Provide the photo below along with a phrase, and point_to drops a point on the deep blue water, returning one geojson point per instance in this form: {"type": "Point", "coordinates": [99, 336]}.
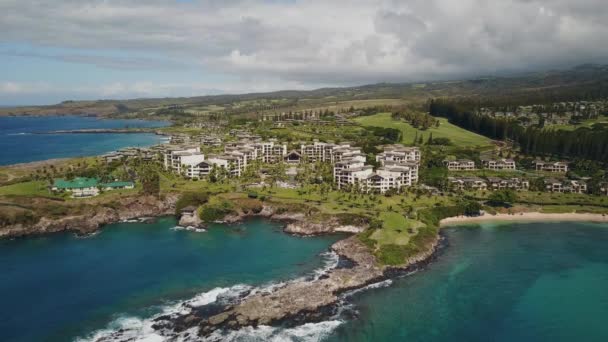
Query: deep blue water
{"type": "Point", "coordinates": [19, 145]}
{"type": "Point", "coordinates": [58, 287]}
{"type": "Point", "coordinates": [517, 282]}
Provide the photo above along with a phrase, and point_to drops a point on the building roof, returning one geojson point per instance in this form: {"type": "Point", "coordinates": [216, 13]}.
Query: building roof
{"type": "Point", "coordinates": [76, 183]}
{"type": "Point", "coordinates": [117, 184]}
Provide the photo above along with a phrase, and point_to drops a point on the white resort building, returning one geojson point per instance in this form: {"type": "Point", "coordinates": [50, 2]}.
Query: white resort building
{"type": "Point", "coordinates": [459, 165]}
{"type": "Point", "coordinates": [557, 167]}
{"type": "Point", "coordinates": [498, 164]}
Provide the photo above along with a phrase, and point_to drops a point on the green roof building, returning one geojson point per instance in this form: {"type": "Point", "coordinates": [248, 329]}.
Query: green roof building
{"type": "Point", "coordinates": [76, 183]}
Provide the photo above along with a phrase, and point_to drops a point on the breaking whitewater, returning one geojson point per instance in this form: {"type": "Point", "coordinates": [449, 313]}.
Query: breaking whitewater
{"type": "Point", "coordinates": [150, 329]}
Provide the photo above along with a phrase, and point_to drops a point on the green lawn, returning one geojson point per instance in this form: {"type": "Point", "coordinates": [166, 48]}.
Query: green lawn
{"type": "Point", "coordinates": [33, 188]}
{"type": "Point", "coordinates": [458, 136]}
{"type": "Point", "coordinates": [395, 229]}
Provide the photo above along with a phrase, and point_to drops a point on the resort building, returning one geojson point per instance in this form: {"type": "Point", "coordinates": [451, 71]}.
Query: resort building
{"type": "Point", "coordinates": [399, 154]}
{"type": "Point", "coordinates": [386, 178]}
{"type": "Point", "coordinates": [351, 172]}
{"type": "Point", "coordinates": [499, 164]}
{"type": "Point", "coordinates": [557, 167]}
{"type": "Point", "coordinates": [80, 187]}
{"type": "Point", "coordinates": [318, 152]}
{"type": "Point", "coordinates": [517, 184]}
{"type": "Point", "coordinates": [566, 186]}
{"type": "Point", "coordinates": [328, 152]}
{"type": "Point", "coordinates": [459, 165]}
{"type": "Point", "coordinates": [173, 156]}
{"type": "Point", "coordinates": [467, 183]}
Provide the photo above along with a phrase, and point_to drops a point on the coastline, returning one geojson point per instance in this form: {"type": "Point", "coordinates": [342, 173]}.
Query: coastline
{"type": "Point", "coordinates": [525, 217]}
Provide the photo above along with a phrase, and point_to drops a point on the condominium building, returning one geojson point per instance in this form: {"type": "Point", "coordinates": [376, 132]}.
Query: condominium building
{"type": "Point", "coordinates": [398, 154]}
{"type": "Point", "coordinates": [351, 172]}
{"type": "Point", "coordinates": [515, 183]}
{"type": "Point", "coordinates": [459, 165]}
{"type": "Point", "coordinates": [328, 152]}
{"type": "Point", "coordinates": [172, 156]}
{"type": "Point", "coordinates": [401, 156]}
{"type": "Point", "coordinates": [467, 183]}
{"type": "Point", "coordinates": [557, 167]}
{"type": "Point", "coordinates": [498, 164]}
{"type": "Point", "coordinates": [566, 186]}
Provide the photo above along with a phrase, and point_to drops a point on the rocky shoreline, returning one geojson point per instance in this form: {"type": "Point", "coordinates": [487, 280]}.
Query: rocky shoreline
{"type": "Point", "coordinates": [294, 303]}
{"type": "Point", "coordinates": [299, 302]}
{"type": "Point", "coordinates": [85, 224]}
{"type": "Point", "coordinates": [297, 223]}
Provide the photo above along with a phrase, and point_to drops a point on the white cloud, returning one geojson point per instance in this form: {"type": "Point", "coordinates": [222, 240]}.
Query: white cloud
{"type": "Point", "coordinates": [316, 42]}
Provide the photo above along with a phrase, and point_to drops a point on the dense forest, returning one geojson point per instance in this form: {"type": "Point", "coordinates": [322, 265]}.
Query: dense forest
{"type": "Point", "coordinates": [588, 143]}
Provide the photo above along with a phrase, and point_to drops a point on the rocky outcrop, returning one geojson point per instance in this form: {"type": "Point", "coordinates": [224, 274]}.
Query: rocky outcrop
{"type": "Point", "coordinates": [186, 220]}
{"type": "Point", "coordinates": [87, 223]}
{"type": "Point", "coordinates": [298, 223]}
{"type": "Point", "coordinates": [302, 301]}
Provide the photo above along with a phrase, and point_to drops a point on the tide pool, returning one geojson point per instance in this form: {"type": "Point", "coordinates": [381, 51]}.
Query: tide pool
{"type": "Point", "coordinates": [20, 144]}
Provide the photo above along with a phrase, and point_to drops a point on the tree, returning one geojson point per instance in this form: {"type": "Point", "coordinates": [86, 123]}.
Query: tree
{"type": "Point", "coordinates": [471, 208]}
{"type": "Point", "coordinates": [430, 141]}
{"type": "Point", "coordinates": [502, 198]}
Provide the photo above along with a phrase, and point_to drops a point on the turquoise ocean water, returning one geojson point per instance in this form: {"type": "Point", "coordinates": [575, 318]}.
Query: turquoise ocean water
{"type": "Point", "coordinates": [515, 282]}
{"type": "Point", "coordinates": [19, 144]}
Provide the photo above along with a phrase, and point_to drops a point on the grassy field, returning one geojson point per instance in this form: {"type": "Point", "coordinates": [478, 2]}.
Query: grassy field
{"type": "Point", "coordinates": [33, 188]}
{"type": "Point", "coordinates": [458, 136]}
{"type": "Point", "coordinates": [396, 229]}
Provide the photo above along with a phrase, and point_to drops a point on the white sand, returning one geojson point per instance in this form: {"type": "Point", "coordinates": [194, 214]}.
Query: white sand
{"type": "Point", "coordinates": [525, 217]}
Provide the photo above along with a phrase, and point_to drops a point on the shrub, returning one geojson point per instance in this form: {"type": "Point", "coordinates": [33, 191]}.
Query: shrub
{"type": "Point", "coordinates": [214, 211]}
{"type": "Point", "coordinates": [190, 198]}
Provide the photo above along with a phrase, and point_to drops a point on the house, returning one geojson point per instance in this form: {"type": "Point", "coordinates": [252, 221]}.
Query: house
{"type": "Point", "coordinates": [78, 187]}
{"type": "Point", "coordinates": [459, 165]}
{"type": "Point", "coordinates": [499, 164]}
{"type": "Point", "coordinates": [557, 167]}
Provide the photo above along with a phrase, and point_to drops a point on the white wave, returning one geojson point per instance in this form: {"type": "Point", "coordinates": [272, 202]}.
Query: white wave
{"type": "Point", "coordinates": [136, 329]}
{"type": "Point", "coordinates": [190, 229]}
{"type": "Point", "coordinates": [21, 133]}
{"type": "Point", "coordinates": [331, 260]}
{"type": "Point", "coordinates": [305, 332]}
{"type": "Point", "coordinates": [384, 283]}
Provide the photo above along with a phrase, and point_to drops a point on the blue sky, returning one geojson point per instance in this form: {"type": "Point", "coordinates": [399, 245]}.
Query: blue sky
{"type": "Point", "coordinates": [94, 49]}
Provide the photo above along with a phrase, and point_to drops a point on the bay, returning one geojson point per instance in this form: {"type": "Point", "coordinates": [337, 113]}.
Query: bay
{"type": "Point", "coordinates": [20, 141]}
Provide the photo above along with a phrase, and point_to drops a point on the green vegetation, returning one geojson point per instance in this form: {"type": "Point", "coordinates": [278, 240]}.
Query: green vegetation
{"type": "Point", "coordinates": [457, 136]}
{"type": "Point", "coordinates": [31, 188]}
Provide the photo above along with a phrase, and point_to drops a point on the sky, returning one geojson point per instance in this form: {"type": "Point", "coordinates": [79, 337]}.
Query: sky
{"type": "Point", "coordinates": [51, 51]}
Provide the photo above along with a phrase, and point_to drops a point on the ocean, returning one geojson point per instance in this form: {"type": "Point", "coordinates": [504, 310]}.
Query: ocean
{"type": "Point", "coordinates": [61, 287]}
{"type": "Point", "coordinates": [494, 282]}
{"type": "Point", "coordinates": [19, 144]}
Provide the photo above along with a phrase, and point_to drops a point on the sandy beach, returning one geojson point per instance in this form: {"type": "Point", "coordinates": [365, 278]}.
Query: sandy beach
{"type": "Point", "coordinates": [525, 217]}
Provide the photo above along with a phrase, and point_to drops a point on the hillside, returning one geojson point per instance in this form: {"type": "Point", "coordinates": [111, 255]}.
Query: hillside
{"type": "Point", "coordinates": [585, 80]}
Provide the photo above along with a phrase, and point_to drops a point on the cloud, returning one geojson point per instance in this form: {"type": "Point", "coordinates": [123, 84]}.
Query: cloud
{"type": "Point", "coordinates": [317, 42]}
